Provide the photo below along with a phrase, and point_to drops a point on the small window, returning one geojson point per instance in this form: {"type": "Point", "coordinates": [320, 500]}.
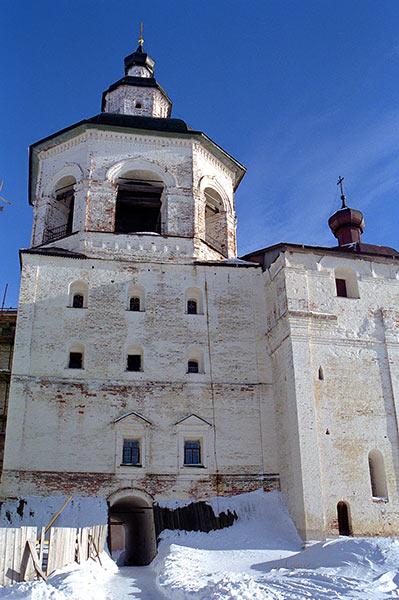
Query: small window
{"type": "Point", "coordinates": [134, 362]}
{"type": "Point", "coordinates": [192, 366]}
{"type": "Point", "coordinates": [377, 475]}
{"type": "Point", "coordinates": [78, 300]}
{"type": "Point", "coordinates": [131, 452]}
{"type": "Point", "coordinates": [138, 105]}
{"type": "Point", "coordinates": [78, 292]}
{"type": "Point", "coordinates": [134, 304]}
{"type": "Point", "coordinates": [344, 527]}
{"type": "Point", "coordinates": [191, 307]}
{"type": "Point", "coordinates": [75, 360]}
{"type": "Point", "coordinates": [192, 452]}
{"type": "Point", "coordinates": [341, 288]}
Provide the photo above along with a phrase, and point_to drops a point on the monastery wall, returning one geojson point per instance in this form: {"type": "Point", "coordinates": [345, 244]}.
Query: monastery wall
{"type": "Point", "coordinates": [343, 354]}
{"type": "Point", "coordinates": [68, 425]}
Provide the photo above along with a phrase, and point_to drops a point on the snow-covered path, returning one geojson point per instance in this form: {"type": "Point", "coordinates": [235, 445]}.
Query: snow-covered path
{"type": "Point", "coordinates": [133, 583]}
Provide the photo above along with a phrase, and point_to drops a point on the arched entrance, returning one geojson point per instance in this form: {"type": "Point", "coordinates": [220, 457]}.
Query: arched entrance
{"type": "Point", "coordinates": [343, 519]}
{"type": "Point", "coordinates": [132, 529]}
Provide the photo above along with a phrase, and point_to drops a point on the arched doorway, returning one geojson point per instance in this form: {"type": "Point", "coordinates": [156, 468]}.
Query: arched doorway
{"type": "Point", "coordinates": [343, 519]}
{"type": "Point", "coordinates": [132, 529]}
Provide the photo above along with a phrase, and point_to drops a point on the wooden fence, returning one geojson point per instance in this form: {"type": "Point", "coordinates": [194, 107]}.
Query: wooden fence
{"type": "Point", "coordinates": [24, 555]}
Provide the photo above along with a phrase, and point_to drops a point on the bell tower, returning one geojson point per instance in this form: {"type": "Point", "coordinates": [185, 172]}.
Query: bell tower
{"type": "Point", "coordinates": [138, 93]}
{"type": "Point", "coordinates": [134, 182]}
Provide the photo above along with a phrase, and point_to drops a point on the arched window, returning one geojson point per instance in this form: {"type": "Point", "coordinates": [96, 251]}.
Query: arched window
{"type": "Point", "coordinates": [78, 294]}
{"type": "Point", "coordinates": [194, 303]}
{"type": "Point", "coordinates": [215, 221]}
{"type": "Point", "coordinates": [346, 282]}
{"type": "Point", "coordinates": [75, 356]}
{"type": "Point", "coordinates": [377, 475]}
{"type": "Point", "coordinates": [139, 203]}
{"type": "Point", "coordinates": [59, 222]}
{"type": "Point", "coordinates": [195, 360]}
{"type": "Point", "coordinates": [134, 360]}
{"type": "Point", "coordinates": [135, 298]}
{"type": "Point", "coordinates": [321, 373]}
{"type": "Point", "coordinates": [343, 519]}
{"type": "Point", "coordinates": [192, 366]}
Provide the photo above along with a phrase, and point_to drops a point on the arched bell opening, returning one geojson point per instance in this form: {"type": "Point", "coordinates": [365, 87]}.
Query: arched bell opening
{"type": "Point", "coordinates": [215, 221]}
{"type": "Point", "coordinates": [344, 526]}
{"type": "Point", "coordinates": [139, 203]}
{"type": "Point", "coordinates": [132, 539]}
{"type": "Point", "coordinates": [59, 221]}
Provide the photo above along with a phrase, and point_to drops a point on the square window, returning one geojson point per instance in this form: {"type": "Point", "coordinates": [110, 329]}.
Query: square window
{"type": "Point", "coordinates": [75, 360]}
{"type": "Point", "coordinates": [134, 304]}
{"type": "Point", "coordinates": [191, 307]}
{"type": "Point", "coordinates": [134, 362]}
{"type": "Point", "coordinates": [192, 452]}
{"type": "Point", "coordinates": [131, 452]}
{"type": "Point", "coordinates": [341, 288]}
{"type": "Point", "coordinates": [78, 301]}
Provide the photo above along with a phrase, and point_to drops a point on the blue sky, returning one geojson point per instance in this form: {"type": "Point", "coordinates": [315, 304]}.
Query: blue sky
{"type": "Point", "coordinates": [300, 92]}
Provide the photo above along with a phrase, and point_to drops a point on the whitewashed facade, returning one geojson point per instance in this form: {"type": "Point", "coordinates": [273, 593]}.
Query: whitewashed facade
{"type": "Point", "coordinates": [293, 388]}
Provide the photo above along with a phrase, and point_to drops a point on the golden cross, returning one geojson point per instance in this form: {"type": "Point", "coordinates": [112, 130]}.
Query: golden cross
{"type": "Point", "coordinates": [141, 41]}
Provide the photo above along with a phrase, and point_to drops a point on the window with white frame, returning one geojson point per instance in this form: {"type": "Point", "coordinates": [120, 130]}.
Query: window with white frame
{"type": "Point", "coordinates": [346, 284]}
{"type": "Point", "coordinates": [195, 360]}
{"type": "Point", "coordinates": [78, 294]}
{"type": "Point", "coordinates": [131, 452]}
{"type": "Point", "coordinates": [135, 298]}
{"type": "Point", "coordinates": [131, 432]}
{"type": "Point", "coordinates": [194, 440]}
{"type": "Point", "coordinates": [192, 452]}
{"type": "Point", "coordinates": [194, 301]}
{"type": "Point", "coordinates": [75, 356]}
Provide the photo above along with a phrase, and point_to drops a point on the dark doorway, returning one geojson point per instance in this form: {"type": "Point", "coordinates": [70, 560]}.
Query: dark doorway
{"type": "Point", "coordinates": [132, 538]}
{"type": "Point", "coordinates": [138, 206]}
{"type": "Point", "coordinates": [343, 519]}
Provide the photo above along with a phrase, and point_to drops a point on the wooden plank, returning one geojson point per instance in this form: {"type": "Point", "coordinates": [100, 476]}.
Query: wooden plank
{"type": "Point", "coordinates": [85, 543]}
{"type": "Point", "coordinates": [35, 558]}
{"type": "Point", "coordinates": [61, 548]}
{"type": "Point", "coordinates": [41, 544]}
{"type": "Point", "coordinates": [2, 555]}
{"type": "Point", "coordinates": [79, 549]}
{"type": "Point", "coordinates": [91, 540]}
{"type": "Point", "coordinates": [8, 555]}
{"type": "Point", "coordinates": [52, 551]}
{"type": "Point", "coordinates": [27, 570]}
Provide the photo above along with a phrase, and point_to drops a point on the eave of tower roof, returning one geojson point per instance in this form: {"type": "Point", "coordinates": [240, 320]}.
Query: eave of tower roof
{"type": "Point", "coordinates": [118, 122]}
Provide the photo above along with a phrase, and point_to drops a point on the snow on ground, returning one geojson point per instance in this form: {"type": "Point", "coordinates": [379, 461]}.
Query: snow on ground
{"type": "Point", "coordinates": [258, 558]}
{"type": "Point", "coordinates": [75, 582]}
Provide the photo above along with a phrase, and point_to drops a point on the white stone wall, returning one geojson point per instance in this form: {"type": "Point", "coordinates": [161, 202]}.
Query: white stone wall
{"type": "Point", "coordinates": [63, 434]}
{"type": "Point", "coordinates": [330, 425]}
{"type": "Point", "coordinates": [97, 158]}
{"type": "Point", "coordinates": [125, 98]}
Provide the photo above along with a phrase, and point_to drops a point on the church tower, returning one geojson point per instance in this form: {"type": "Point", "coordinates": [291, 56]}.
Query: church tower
{"type": "Point", "coordinates": [134, 181]}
